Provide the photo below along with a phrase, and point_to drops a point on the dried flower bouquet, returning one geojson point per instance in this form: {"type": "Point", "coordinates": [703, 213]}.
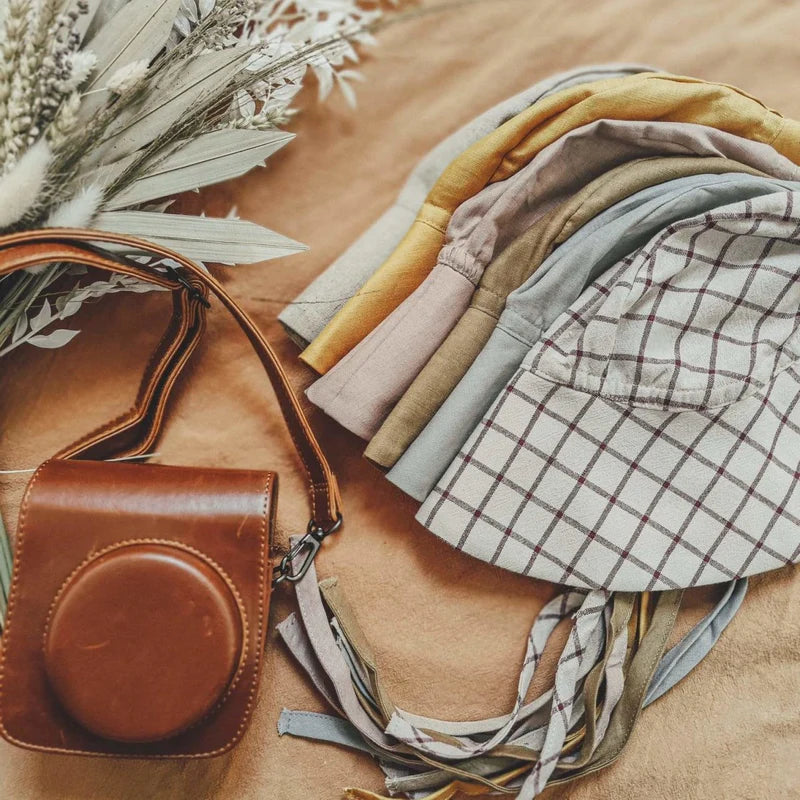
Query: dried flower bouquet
{"type": "Point", "coordinates": [109, 108]}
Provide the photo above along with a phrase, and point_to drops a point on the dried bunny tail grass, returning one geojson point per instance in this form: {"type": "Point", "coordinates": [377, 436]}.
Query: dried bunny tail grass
{"type": "Point", "coordinates": [81, 64]}
{"type": "Point", "coordinates": [128, 77]}
{"type": "Point", "coordinates": [22, 185]}
{"type": "Point", "coordinates": [78, 211]}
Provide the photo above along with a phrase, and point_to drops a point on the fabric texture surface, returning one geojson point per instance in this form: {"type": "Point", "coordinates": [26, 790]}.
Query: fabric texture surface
{"type": "Point", "coordinates": [311, 311]}
{"type": "Point", "coordinates": [450, 361]}
{"type": "Point", "coordinates": [360, 390]}
{"type": "Point", "coordinates": [531, 309]}
{"type": "Point", "coordinates": [446, 629]}
{"type": "Point", "coordinates": [647, 442]}
{"type": "Point", "coordinates": [504, 152]}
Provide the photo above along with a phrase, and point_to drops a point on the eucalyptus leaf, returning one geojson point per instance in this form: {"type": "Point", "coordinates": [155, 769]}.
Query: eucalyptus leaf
{"type": "Point", "coordinates": [50, 341]}
{"type": "Point", "coordinates": [183, 26]}
{"type": "Point", "coordinates": [209, 239]}
{"type": "Point", "coordinates": [245, 104]}
{"type": "Point", "coordinates": [211, 158]}
{"type": "Point", "coordinates": [137, 32]}
{"type": "Point", "coordinates": [190, 11]}
{"type": "Point", "coordinates": [348, 92]}
{"type": "Point", "coordinates": [181, 87]}
{"type": "Point", "coordinates": [43, 317]}
{"type": "Point", "coordinates": [68, 306]}
{"type": "Point", "coordinates": [324, 73]}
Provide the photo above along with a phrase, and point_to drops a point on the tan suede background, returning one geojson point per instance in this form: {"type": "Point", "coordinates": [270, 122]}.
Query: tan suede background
{"type": "Point", "coordinates": [449, 631]}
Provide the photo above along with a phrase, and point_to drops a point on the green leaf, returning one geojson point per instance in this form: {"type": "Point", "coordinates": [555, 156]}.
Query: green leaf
{"type": "Point", "coordinates": [207, 239]}
{"type": "Point", "coordinates": [211, 158]}
{"type": "Point", "coordinates": [6, 567]}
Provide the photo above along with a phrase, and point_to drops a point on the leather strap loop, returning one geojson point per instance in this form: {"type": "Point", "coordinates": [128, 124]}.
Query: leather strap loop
{"type": "Point", "coordinates": [135, 431]}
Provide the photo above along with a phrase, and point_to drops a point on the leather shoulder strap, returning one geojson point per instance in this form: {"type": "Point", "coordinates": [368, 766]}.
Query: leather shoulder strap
{"type": "Point", "coordinates": [34, 248]}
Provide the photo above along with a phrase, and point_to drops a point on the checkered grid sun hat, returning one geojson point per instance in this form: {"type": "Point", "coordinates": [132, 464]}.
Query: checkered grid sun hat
{"type": "Point", "coordinates": [652, 439]}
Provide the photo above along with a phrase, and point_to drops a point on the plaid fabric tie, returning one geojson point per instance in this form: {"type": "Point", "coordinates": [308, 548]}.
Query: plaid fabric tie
{"type": "Point", "coordinates": [581, 650]}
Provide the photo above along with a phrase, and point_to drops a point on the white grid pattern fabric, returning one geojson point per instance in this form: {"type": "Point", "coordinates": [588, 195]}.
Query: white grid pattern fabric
{"type": "Point", "coordinates": [651, 440]}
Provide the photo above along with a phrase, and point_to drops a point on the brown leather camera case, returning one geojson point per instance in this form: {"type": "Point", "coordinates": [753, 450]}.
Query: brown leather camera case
{"type": "Point", "coordinates": [138, 609]}
{"type": "Point", "coordinates": [140, 595]}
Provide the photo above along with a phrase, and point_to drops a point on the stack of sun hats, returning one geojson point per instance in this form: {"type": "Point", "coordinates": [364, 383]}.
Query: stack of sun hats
{"type": "Point", "coordinates": [580, 353]}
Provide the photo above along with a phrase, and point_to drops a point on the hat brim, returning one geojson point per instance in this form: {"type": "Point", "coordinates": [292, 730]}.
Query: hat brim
{"type": "Point", "coordinates": [581, 490]}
